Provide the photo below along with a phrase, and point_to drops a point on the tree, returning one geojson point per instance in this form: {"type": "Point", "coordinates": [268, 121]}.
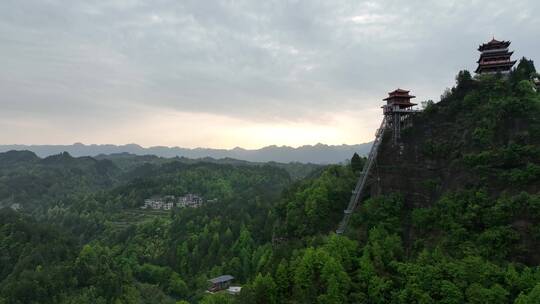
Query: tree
{"type": "Point", "coordinates": [464, 81]}
{"type": "Point", "coordinates": [531, 298]}
{"type": "Point", "coordinates": [218, 298]}
{"type": "Point", "coordinates": [356, 163]}
{"type": "Point", "coordinates": [451, 294]}
{"type": "Point", "coordinates": [476, 293]}
{"type": "Point", "coordinates": [182, 254]}
{"type": "Point", "coordinates": [427, 104]}
{"type": "Point", "coordinates": [283, 280]}
{"type": "Point", "coordinates": [177, 286]}
{"type": "Point", "coordinates": [319, 277]}
{"type": "Point", "coordinates": [336, 281]}
{"type": "Point", "coordinates": [264, 289]}
{"type": "Point", "coordinates": [524, 70]}
{"type": "Point", "coordinates": [95, 267]}
{"type": "Point", "coordinates": [342, 249]}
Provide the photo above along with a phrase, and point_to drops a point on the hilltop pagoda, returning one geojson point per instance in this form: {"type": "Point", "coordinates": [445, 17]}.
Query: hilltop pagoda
{"type": "Point", "coordinates": [397, 110]}
{"type": "Point", "coordinates": [495, 57]}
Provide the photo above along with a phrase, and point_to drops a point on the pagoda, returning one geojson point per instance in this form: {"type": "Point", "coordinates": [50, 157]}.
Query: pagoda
{"type": "Point", "coordinates": [397, 110]}
{"type": "Point", "coordinates": [495, 57]}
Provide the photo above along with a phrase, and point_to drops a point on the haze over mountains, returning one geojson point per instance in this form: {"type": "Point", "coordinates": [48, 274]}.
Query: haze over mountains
{"type": "Point", "coordinates": [319, 153]}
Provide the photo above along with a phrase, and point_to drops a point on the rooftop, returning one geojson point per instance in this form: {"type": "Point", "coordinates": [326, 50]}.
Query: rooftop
{"type": "Point", "coordinates": [221, 279]}
{"type": "Point", "coordinates": [398, 90]}
{"type": "Point", "coordinates": [399, 93]}
{"type": "Point", "coordinates": [494, 43]}
{"type": "Point", "coordinates": [234, 289]}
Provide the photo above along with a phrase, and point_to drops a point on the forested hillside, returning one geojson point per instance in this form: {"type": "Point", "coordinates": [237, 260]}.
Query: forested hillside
{"type": "Point", "coordinates": [453, 217]}
{"type": "Point", "coordinates": [98, 246]}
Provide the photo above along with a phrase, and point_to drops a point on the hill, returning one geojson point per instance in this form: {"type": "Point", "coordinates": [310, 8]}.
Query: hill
{"type": "Point", "coordinates": [477, 150]}
{"type": "Point", "coordinates": [129, 161]}
{"type": "Point", "coordinates": [32, 182]}
{"type": "Point", "coordinates": [454, 210]}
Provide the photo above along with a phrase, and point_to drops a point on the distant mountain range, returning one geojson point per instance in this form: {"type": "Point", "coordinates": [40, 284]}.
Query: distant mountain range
{"type": "Point", "coordinates": [318, 154]}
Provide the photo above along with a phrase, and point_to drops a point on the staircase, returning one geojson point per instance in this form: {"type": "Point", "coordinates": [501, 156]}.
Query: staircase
{"type": "Point", "coordinates": [360, 185]}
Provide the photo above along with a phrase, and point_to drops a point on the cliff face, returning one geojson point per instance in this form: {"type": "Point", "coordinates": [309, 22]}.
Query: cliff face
{"type": "Point", "coordinates": [424, 164]}
{"type": "Point", "coordinates": [475, 137]}
{"type": "Point", "coordinates": [483, 136]}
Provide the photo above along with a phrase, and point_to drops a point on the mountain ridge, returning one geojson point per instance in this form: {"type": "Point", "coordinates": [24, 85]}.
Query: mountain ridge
{"type": "Point", "coordinates": [319, 153]}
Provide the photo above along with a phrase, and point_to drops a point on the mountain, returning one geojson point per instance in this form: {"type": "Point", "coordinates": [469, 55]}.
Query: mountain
{"type": "Point", "coordinates": [318, 154]}
{"type": "Point", "coordinates": [33, 182]}
{"type": "Point", "coordinates": [451, 216]}
{"type": "Point", "coordinates": [127, 162]}
{"type": "Point", "coordinates": [473, 167]}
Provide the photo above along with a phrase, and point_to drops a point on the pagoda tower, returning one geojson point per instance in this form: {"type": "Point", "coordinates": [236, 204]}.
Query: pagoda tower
{"type": "Point", "coordinates": [397, 110]}
{"type": "Point", "coordinates": [495, 57]}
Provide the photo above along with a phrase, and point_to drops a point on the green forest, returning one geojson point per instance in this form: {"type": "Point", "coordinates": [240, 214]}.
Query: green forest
{"type": "Point", "coordinates": [467, 231]}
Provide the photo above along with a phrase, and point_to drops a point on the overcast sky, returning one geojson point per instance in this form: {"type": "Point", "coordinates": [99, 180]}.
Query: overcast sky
{"type": "Point", "coordinates": [234, 73]}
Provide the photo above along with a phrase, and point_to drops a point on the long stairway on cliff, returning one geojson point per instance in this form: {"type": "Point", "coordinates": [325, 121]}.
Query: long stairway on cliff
{"type": "Point", "coordinates": [360, 185]}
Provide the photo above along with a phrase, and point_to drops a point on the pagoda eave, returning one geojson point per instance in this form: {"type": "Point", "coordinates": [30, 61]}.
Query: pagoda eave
{"type": "Point", "coordinates": [497, 54]}
{"type": "Point", "coordinates": [507, 65]}
{"type": "Point", "coordinates": [398, 91]}
{"type": "Point", "coordinates": [401, 104]}
{"type": "Point", "coordinates": [493, 44]}
{"type": "Point", "coordinates": [398, 96]}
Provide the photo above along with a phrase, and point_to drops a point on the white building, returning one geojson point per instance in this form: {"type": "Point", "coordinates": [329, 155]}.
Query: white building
{"type": "Point", "coordinates": [156, 203]}
{"type": "Point", "coordinates": [168, 202]}
{"type": "Point", "coordinates": [190, 201]}
{"type": "Point", "coordinates": [234, 290]}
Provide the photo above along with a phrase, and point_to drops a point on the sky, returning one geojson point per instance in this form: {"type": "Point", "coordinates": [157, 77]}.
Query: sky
{"type": "Point", "coordinates": [223, 74]}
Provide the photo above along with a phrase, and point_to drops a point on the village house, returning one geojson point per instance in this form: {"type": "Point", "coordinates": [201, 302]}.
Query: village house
{"type": "Point", "coordinates": [153, 203]}
{"type": "Point", "coordinates": [168, 202]}
{"type": "Point", "coordinates": [189, 201]}
{"type": "Point", "coordinates": [220, 283]}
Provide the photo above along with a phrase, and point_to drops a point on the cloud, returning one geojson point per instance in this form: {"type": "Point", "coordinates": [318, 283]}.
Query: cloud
{"type": "Point", "coordinates": [286, 63]}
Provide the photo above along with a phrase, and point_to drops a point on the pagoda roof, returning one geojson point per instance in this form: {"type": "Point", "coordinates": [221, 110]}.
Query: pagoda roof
{"type": "Point", "coordinates": [498, 63]}
{"type": "Point", "coordinates": [398, 90]}
{"type": "Point", "coordinates": [404, 103]}
{"type": "Point", "coordinates": [493, 44]}
{"type": "Point", "coordinates": [399, 93]}
{"type": "Point", "coordinates": [495, 54]}
{"type": "Point", "coordinates": [486, 66]}
{"type": "Point", "coordinates": [405, 96]}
